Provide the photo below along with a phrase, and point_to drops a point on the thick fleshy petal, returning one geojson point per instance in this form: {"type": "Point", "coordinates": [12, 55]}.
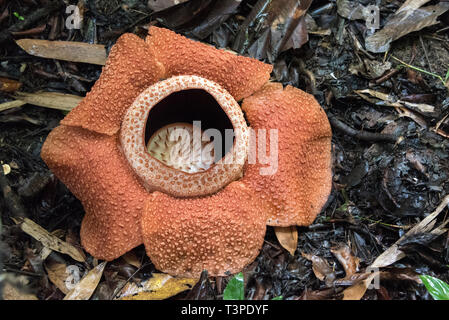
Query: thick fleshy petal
{"type": "Point", "coordinates": [94, 169]}
{"type": "Point", "coordinates": [300, 186]}
{"type": "Point", "coordinates": [220, 233]}
{"type": "Point", "coordinates": [239, 75]}
{"type": "Point", "coordinates": [130, 68]}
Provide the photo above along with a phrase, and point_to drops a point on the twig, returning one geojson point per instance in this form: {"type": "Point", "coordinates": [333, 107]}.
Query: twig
{"type": "Point", "coordinates": [361, 135]}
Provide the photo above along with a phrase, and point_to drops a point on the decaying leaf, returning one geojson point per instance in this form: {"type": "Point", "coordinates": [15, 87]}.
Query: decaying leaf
{"type": "Point", "coordinates": [9, 85]}
{"type": "Point", "coordinates": [197, 18]}
{"type": "Point", "coordinates": [65, 50]}
{"type": "Point", "coordinates": [53, 100]}
{"type": "Point", "coordinates": [11, 104]}
{"type": "Point", "coordinates": [349, 262]}
{"type": "Point", "coordinates": [50, 241]}
{"type": "Point", "coordinates": [408, 18]}
{"type": "Point", "coordinates": [84, 289]}
{"type": "Point", "coordinates": [321, 268]}
{"type": "Point", "coordinates": [59, 274]}
{"type": "Point", "coordinates": [160, 286]}
{"type": "Point", "coordinates": [402, 107]}
{"type": "Point", "coordinates": [268, 29]}
{"type": "Point", "coordinates": [357, 291]}
{"type": "Point", "coordinates": [288, 238]}
{"type": "Point", "coordinates": [393, 254]}
{"type": "Point", "coordinates": [388, 100]}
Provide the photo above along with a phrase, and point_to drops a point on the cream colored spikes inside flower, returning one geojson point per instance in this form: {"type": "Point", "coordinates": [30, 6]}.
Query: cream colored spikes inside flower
{"type": "Point", "coordinates": [175, 146]}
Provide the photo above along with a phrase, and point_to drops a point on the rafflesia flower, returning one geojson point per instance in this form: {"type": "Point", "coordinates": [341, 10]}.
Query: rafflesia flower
{"type": "Point", "coordinates": [115, 151]}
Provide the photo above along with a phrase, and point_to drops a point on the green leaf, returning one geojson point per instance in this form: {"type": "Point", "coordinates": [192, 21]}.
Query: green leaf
{"type": "Point", "coordinates": [235, 289]}
{"type": "Point", "coordinates": [18, 16]}
{"type": "Point", "coordinates": [278, 298]}
{"type": "Point", "coordinates": [438, 289]}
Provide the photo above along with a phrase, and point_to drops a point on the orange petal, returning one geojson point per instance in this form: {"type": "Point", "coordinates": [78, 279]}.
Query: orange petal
{"type": "Point", "coordinates": [94, 169]}
{"type": "Point", "coordinates": [130, 68]}
{"type": "Point", "coordinates": [302, 183]}
{"type": "Point", "coordinates": [219, 233]}
{"type": "Point", "coordinates": [241, 76]}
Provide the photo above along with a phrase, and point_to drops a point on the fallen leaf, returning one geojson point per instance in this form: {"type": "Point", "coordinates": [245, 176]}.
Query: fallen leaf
{"type": "Point", "coordinates": [53, 100]}
{"type": "Point", "coordinates": [407, 19]}
{"type": "Point", "coordinates": [160, 286]}
{"type": "Point", "coordinates": [288, 238]}
{"type": "Point", "coordinates": [83, 290]}
{"type": "Point", "coordinates": [65, 50]}
{"type": "Point", "coordinates": [357, 291]}
{"type": "Point", "coordinates": [393, 254]}
{"type": "Point", "coordinates": [50, 241]}
{"type": "Point", "coordinates": [8, 85]}
{"type": "Point", "coordinates": [57, 273]}
{"type": "Point", "coordinates": [321, 268]}
{"type": "Point", "coordinates": [268, 29]}
{"type": "Point", "coordinates": [349, 262]}
{"type": "Point", "coordinates": [11, 104]}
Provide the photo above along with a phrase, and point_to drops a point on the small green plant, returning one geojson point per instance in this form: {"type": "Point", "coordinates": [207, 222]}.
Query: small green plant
{"type": "Point", "coordinates": [18, 16]}
{"type": "Point", "coordinates": [235, 290]}
{"type": "Point", "coordinates": [438, 289]}
{"type": "Point", "coordinates": [444, 81]}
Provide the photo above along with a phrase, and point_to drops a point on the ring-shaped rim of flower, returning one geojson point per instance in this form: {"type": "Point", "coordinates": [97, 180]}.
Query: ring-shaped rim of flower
{"type": "Point", "coordinates": [156, 175]}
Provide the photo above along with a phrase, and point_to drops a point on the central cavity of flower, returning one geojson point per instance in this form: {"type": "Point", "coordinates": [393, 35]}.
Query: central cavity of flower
{"type": "Point", "coordinates": [182, 146]}
{"type": "Point", "coordinates": [185, 136]}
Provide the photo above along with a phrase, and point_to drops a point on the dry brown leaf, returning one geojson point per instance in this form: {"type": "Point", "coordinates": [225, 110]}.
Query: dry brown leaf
{"type": "Point", "coordinates": [50, 241]}
{"type": "Point", "coordinates": [407, 19]}
{"type": "Point", "coordinates": [9, 85]}
{"type": "Point", "coordinates": [393, 254]}
{"type": "Point", "coordinates": [65, 50]}
{"type": "Point", "coordinates": [288, 238]}
{"type": "Point", "coordinates": [11, 104]}
{"type": "Point", "coordinates": [357, 291]}
{"type": "Point", "coordinates": [349, 262]}
{"type": "Point", "coordinates": [160, 286]}
{"type": "Point", "coordinates": [53, 100]}
{"type": "Point", "coordinates": [409, 5]}
{"type": "Point", "coordinates": [320, 268]}
{"type": "Point", "coordinates": [57, 273]}
{"type": "Point", "coordinates": [84, 289]}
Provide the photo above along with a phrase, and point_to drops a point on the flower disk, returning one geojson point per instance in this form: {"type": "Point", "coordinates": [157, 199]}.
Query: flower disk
{"type": "Point", "coordinates": [158, 176]}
